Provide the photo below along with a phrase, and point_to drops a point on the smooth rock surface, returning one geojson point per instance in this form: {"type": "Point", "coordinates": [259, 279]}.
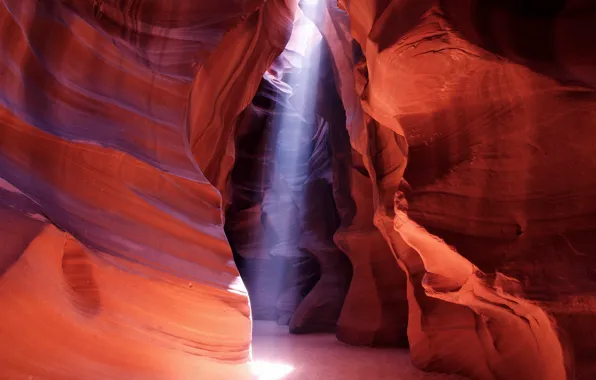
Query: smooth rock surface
{"type": "Point", "coordinates": [117, 265]}
{"type": "Point", "coordinates": [442, 195]}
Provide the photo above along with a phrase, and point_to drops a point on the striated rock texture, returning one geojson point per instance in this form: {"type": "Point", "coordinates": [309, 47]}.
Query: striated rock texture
{"type": "Point", "coordinates": [440, 192]}
{"type": "Point", "coordinates": [484, 125]}
{"type": "Point", "coordinates": [115, 137]}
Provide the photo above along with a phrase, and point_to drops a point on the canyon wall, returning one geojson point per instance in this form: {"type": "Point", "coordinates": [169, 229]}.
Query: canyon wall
{"type": "Point", "coordinates": [491, 134]}
{"type": "Point", "coordinates": [115, 140]}
{"type": "Point", "coordinates": [443, 198]}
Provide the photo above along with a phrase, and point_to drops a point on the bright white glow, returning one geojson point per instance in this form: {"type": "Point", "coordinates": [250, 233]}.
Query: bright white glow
{"type": "Point", "coordinates": [294, 124]}
{"type": "Point", "coordinates": [293, 127]}
{"type": "Point", "coordinates": [270, 371]}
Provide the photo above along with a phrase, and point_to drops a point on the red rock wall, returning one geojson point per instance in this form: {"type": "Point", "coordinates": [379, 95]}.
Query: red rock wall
{"type": "Point", "coordinates": [484, 127]}
{"type": "Point", "coordinates": [450, 162]}
{"type": "Point", "coordinates": [114, 128]}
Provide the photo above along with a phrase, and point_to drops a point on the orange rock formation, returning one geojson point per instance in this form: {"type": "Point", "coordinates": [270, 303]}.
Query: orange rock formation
{"type": "Point", "coordinates": [445, 199]}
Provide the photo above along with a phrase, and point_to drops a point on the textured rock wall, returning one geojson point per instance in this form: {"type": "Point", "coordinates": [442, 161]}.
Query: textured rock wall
{"type": "Point", "coordinates": [449, 161]}
{"type": "Point", "coordinates": [115, 121]}
{"type": "Point", "coordinates": [484, 136]}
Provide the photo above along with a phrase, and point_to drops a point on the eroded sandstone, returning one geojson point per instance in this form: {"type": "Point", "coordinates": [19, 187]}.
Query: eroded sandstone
{"type": "Point", "coordinates": [442, 197]}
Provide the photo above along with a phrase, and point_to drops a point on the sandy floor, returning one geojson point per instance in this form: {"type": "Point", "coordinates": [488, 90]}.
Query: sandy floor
{"type": "Point", "coordinates": [279, 355]}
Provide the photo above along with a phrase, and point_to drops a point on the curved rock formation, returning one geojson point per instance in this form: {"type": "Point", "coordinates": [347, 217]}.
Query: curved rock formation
{"type": "Point", "coordinates": [429, 85]}
{"type": "Point", "coordinates": [120, 266]}
{"type": "Point", "coordinates": [441, 194]}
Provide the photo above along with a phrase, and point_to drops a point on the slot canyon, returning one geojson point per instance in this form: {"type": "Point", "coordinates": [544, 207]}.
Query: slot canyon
{"type": "Point", "coordinates": [298, 189]}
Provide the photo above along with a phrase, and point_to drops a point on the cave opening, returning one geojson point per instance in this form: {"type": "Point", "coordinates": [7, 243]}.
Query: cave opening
{"type": "Point", "coordinates": [300, 217]}
{"type": "Point", "coordinates": [307, 250]}
{"type": "Point", "coordinates": [282, 215]}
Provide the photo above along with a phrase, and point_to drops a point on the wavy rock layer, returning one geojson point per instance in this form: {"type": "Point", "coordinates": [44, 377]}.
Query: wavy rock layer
{"type": "Point", "coordinates": [485, 171]}
{"type": "Point", "coordinates": [117, 264]}
{"type": "Point", "coordinates": [445, 193]}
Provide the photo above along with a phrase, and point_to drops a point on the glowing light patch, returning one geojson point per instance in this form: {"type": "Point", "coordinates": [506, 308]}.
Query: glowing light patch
{"type": "Point", "coordinates": [237, 286]}
{"type": "Point", "coordinates": [264, 370]}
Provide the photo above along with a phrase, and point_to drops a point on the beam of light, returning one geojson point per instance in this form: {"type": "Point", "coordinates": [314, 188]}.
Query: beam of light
{"type": "Point", "coordinates": [293, 126]}
{"type": "Point", "coordinates": [294, 121]}
{"type": "Point", "coordinates": [295, 129]}
{"type": "Point", "coordinates": [265, 370]}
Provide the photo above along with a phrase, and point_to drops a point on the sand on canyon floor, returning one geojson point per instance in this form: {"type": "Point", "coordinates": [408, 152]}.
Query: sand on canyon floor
{"type": "Point", "coordinates": [280, 355]}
